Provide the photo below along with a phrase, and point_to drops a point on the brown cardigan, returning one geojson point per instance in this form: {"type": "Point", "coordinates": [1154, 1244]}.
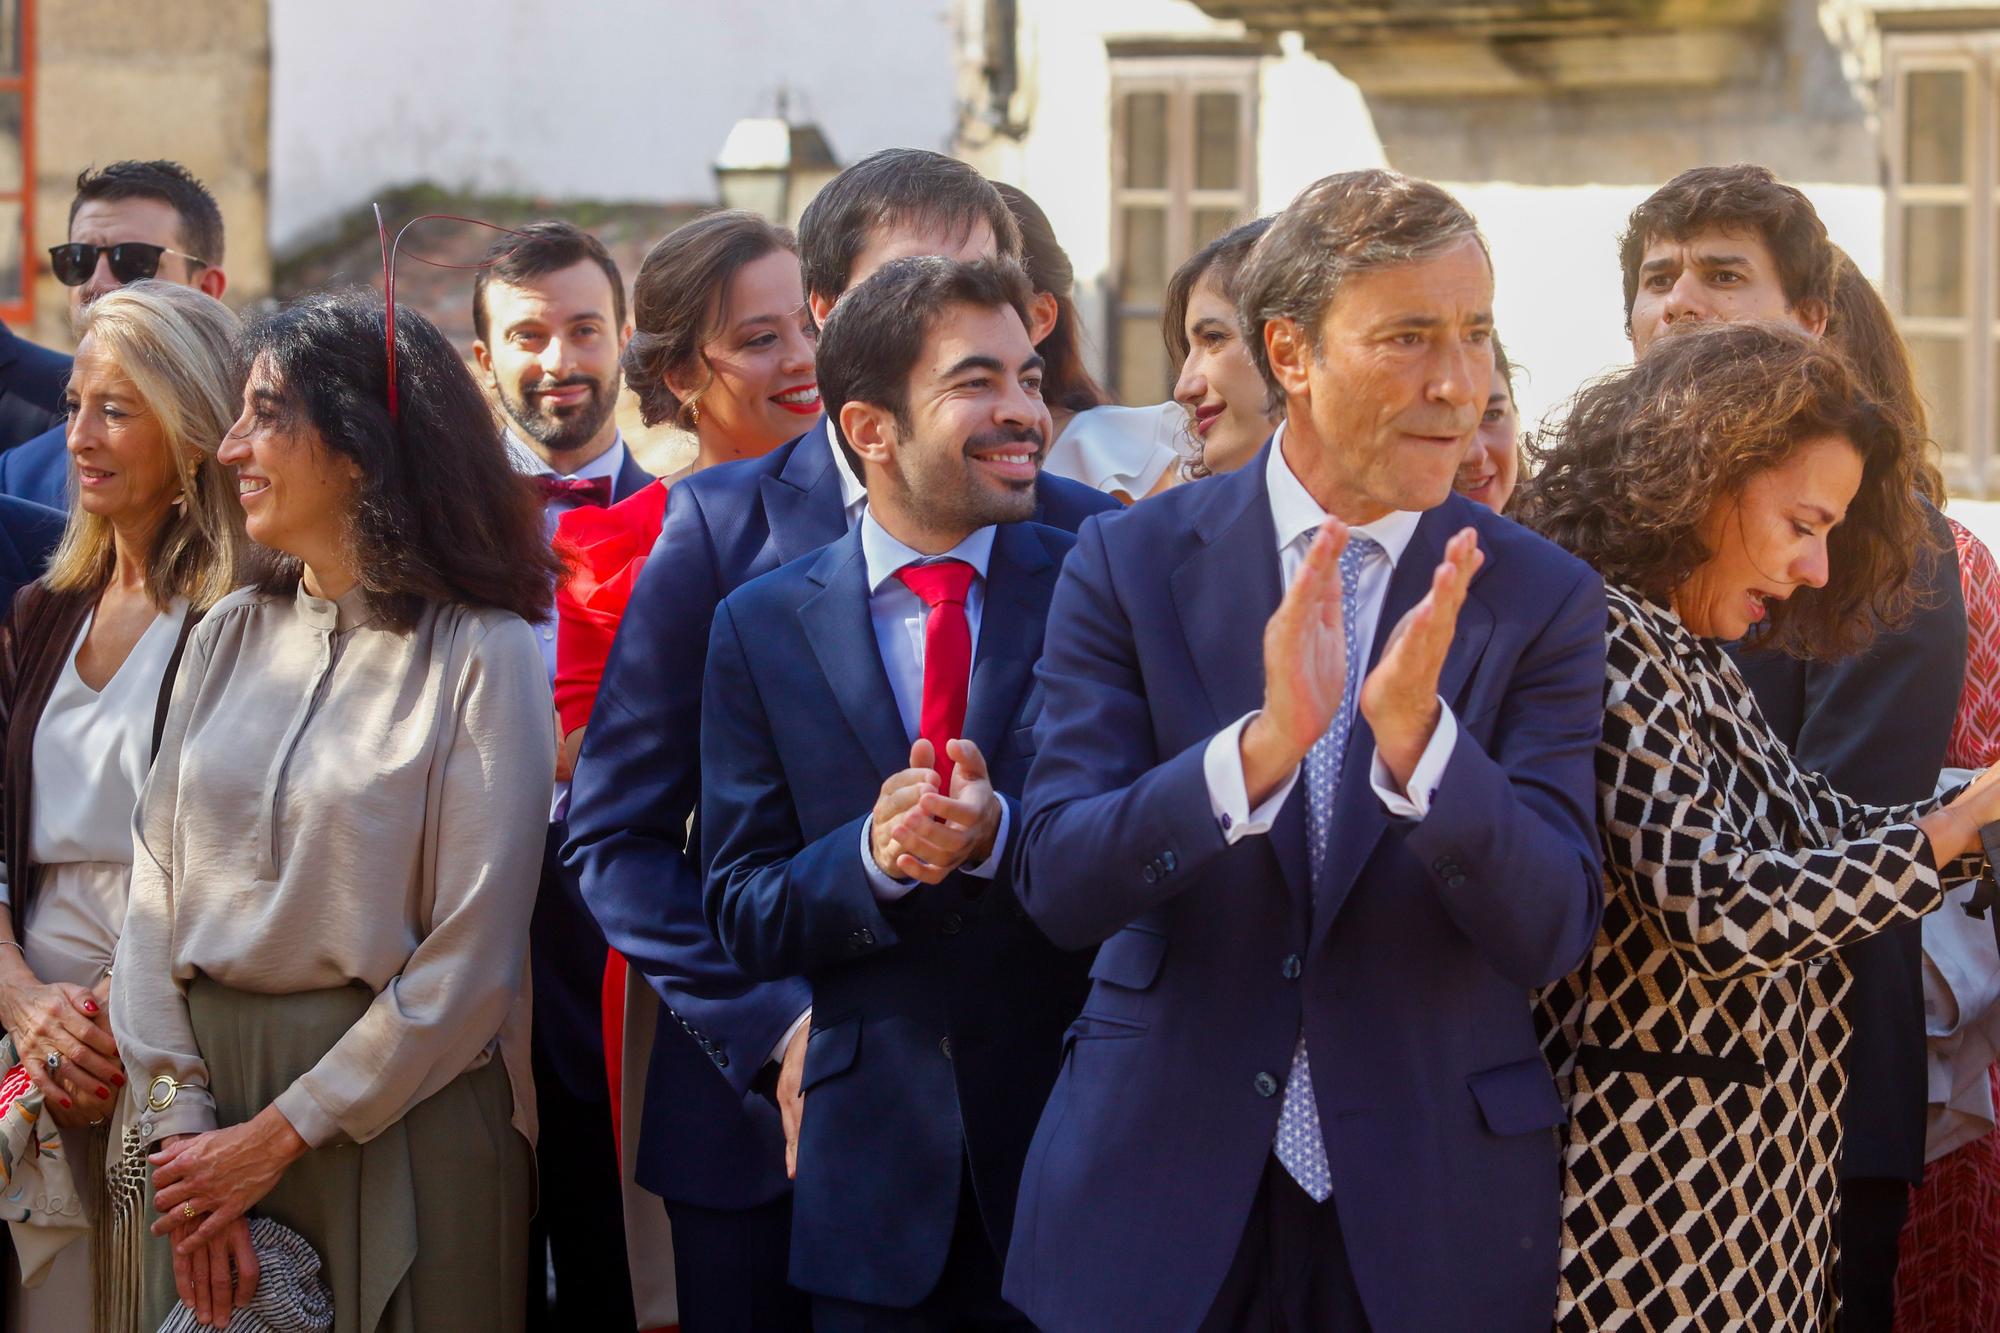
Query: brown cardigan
{"type": "Point", "coordinates": [35, 642]}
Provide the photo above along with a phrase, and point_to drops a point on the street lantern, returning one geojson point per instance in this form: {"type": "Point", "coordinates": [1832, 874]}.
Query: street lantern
{"type": "Point", "coordinates": [773, 167]}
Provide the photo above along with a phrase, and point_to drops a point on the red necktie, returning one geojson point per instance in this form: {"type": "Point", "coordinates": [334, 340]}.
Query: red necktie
{"type": "Point", "coordinates": [574, 490]}
{"type": "Point", "coordinates": [942, 585]}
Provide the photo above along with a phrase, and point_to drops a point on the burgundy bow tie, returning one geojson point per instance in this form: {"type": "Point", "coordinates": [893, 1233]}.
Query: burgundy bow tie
{"type": "Point", "coordinates": [574, 490]}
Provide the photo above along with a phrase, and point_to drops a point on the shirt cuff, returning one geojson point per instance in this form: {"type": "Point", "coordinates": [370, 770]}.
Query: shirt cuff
{"type": "Point", "coordinates": [191, 1112]}
{"type": "Point", "coordinates": [1426, 777]}
{"type": "Point", "coordinates": [990, 867]}
{"type": "Point", "coordinates": [1228, 796]}
{"type": "Point", "coordinates": [785, 1042]}
{"type": "Point", "coordinates": [886, 887]}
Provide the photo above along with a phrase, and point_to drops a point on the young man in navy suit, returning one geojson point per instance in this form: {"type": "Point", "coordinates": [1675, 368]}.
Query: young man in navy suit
{"type": "Point", "coordinates": [866, 729]}
{"type": "Point", "coordinates": [714, 1140]}
{"type": "Point", "coordinates": [32, 379]}
{"type": "Point", "coordinates": [549, 324]}
{"type": "Point", "coordinates": [127, 222]}
{"type": "Point", "coordinates": [1305, 1091]}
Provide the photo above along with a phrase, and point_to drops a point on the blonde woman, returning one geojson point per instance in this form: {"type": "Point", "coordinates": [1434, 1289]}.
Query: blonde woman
{"type": "Point", "coordinates": [87, 660]}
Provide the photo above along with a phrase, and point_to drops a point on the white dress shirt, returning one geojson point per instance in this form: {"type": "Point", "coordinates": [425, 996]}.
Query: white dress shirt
{"type": "Point", "coordinates": [1298, 517]}
{"type": "Point", "coordinates": [853, 493]}
{"type": "Point", "coordinates": [531, 464]}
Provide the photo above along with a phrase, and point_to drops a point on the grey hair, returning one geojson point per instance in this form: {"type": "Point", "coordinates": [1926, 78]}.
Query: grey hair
{"type": "Point", "coordinates": [1340, 225]}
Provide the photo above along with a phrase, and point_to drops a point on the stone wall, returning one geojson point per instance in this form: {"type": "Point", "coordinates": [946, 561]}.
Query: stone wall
{"type": "Point", "coordinates": [126, 79]}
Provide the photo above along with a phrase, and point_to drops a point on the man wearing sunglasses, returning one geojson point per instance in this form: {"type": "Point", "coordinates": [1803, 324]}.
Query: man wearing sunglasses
{"type": "Point", "coordinates": [128, 222]}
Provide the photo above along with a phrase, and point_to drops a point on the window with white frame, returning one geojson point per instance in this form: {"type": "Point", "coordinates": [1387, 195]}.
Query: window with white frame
{"type": "Point", "coordinates": [1183, 171]}
{"type": "Point", "coordinates": [1944, 204]}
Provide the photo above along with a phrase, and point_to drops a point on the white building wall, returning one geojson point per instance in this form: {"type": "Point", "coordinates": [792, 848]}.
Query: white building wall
{"type": "Point", "coordinates": [615, 99]}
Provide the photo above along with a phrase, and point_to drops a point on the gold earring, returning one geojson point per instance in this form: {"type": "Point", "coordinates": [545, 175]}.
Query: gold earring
{"type": "Point", "coordinates": [694, 414]}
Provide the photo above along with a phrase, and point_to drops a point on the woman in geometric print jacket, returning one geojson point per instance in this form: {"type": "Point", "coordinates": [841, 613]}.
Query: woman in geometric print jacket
{"type": "Point", "coordinates": [1736, 476]}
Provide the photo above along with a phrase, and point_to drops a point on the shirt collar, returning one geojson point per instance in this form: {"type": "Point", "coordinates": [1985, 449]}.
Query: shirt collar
{"type": "Point", "coordinates": [1296, 513]}
{"type": "Point", "coordinates": [885, 555]}
{"type": "Point", "coordinates": [531, 464]}
{"type": "Point", "coordinates": [852, 492]}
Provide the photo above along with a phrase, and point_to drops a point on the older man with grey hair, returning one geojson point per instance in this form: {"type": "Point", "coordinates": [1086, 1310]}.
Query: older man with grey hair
{"type": "Point", "coordinates": [1305, 1092]}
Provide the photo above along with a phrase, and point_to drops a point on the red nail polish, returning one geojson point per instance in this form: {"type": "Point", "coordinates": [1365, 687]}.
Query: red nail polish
{"type": "Point", "coordinates": [65, 1103]}
{"type": "Point", "coordinates": [104, 1093]}
{"type": "Point", "coordinates": [90, 1006]}
{"type": "Point", "coordinates": [117, 1080]}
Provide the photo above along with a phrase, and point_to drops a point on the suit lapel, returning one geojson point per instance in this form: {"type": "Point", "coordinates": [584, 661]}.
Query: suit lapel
{"type": "Point", "coordinates": [1358, 816]}
{"type": "Point", "coordinates": [802, 504]}
{"type": "Point", "coordinates": [631, 478]}
{"type": "Point", "coordinates": [837, 625]}
{"type": "Point", "coordinates": [1224, 593]}
{"type": "Point", "coordinates": [1020, 577]}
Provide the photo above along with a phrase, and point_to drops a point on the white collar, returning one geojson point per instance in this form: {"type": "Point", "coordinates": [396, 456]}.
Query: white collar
{"type": "Point", "coordinates": [852, 492]}
{"type": "Point", "coordinates": [1295, 511]}
{"type": "Point", "coordinates": [529, 463]}
{"type": "Point", "coordinates": [885, 555]}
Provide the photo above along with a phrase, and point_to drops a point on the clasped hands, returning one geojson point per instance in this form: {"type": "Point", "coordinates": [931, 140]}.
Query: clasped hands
{"type": "Point", "coordinates": [205, 1185]}
{"type": "Point", "coordinates": [923, 834]}
{"type": "Point", "coordinates": [1305, 666]}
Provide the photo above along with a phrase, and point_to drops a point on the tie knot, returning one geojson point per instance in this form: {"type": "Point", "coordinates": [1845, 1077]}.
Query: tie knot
{"type": "Point", "coordinates": [1360, 548]}
{"type": "Point", "coordinates": [938, 581]}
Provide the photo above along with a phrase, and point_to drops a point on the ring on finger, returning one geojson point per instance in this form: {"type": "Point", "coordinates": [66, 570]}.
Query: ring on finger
{"type": "Point", "coordinates": [187, 1211]}
{"type": "Point", "coordinates": [53, 1060]}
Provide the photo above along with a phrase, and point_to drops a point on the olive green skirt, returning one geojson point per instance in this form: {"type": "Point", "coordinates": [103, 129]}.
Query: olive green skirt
{"type": "Point", "coordinates": [423, 1229]}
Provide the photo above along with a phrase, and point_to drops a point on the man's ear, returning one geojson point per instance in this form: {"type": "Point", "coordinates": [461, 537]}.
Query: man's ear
{"type": "Point", "coordinates": [1290, 354]}
{"type": "Point", "coordinates": [211, 280]}
{"type": "Point", "coordinates": [1812, 315]}
{"type": "Point", "coordinates": [483, 354]}
{"type": "Point", "coordinates": [870, 431]}
{"type": "Point", "coordinates": [1043, 312]}
{"type": "Point", "coordinates": [821, 306]}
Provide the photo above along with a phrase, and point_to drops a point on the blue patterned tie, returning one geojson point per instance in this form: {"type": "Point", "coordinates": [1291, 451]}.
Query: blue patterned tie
{"type": "Point", "coordinates": [1301, 1148]}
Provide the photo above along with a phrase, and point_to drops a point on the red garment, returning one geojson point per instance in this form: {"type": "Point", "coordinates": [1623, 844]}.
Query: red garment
{"type": "Point", "coordinates": [607, 548]}
{"type": "Point", "coordinates": [942, 585]}
{"type": "Point", "coordinates": [1948, 1268]}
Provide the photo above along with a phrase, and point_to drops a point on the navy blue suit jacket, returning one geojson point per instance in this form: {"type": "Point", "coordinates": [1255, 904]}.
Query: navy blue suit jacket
{"type": "Point", "coordinates": [38, 471]}
{"type": "Point", "coordinates": [937, 1019]}
{"type": "Point", "coordinates": [714, 1142]}
{"type": "Point", "coordinates": [28, 532]}
{"type": "Point", "coordinates": [32, 378]}
{"type": "Point", "coordinates": [1877, 725]}
{"type": "Point", "coordinates": [1410, 973]}
{"type": "Point", "coordinates": [567, 960]}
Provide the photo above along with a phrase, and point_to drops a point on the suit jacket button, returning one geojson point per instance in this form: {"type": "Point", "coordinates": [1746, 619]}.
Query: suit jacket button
{"type": "Point", "coordinates": [867, 937]}
{"type": "Point", "coordinates": [944, 1047]}
{"type": "Point", "coordinates": [953, 923]}
{"type": "Point", "coordinates": [1170, 861]}
{"type": "Point", "coordinates": [721, 1060]}
{"type": "Point", "coordinates": [1147, 873]}
{"type": "Point", "coordinates": [1266, 1085]}
{"type": "Point", "coordinates": [1454, 881]}
{"type": "Point", "coordinates": [1292, 967]}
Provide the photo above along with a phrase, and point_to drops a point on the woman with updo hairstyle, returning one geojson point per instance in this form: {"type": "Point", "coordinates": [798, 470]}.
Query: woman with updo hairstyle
{"type": "Point", "coordinates": [1738, 475]}
{"type": "Point", "coordinates": [1126, 452]}
{"type": "Point", "coordinates": [1220, 389]}
{"type": "Point", "coordinates": [319, 989]}
{"type": "Point", "coordinates": [87, 662]}
{"type": "Point", "coordinates": [722, 345]}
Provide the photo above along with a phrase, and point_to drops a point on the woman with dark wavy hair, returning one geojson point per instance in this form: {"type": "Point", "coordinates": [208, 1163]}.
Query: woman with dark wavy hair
{"type": "Point", "coordinates": [1738, 475]}
{"type": "Point", "coordinates": [318, 991]}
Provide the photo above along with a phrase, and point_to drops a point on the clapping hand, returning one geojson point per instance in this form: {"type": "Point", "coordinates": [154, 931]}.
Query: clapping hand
{"type": "Point", "coordinates": [921, 833]}
{"type": "Point", "coordinates": [1400, 696]}
{"type": "Point", "coordinates": [1305, 669]}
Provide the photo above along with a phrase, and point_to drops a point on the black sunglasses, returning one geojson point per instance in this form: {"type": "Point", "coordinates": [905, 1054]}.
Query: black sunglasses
{"type": "Point", "coordinates": [131, 261]}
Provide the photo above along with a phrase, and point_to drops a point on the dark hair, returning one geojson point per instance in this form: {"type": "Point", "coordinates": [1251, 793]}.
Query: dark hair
{"type": "Point", "coordinates": [1066, 382]}
{"type": "Point", "coordinates": [1354, 222]}
{"type": "Point", "coordinates": [678, 296]}
{"type": "Point", "coordinates": [909, 187]}
{"type": "Point", "coordinates": [1861, 326]}
{"type": "Point", "coordinates": [542, 248]}
{"type": "Point", "coordinates": [1643, 456]}
{"type": "Point", "coordinates": [1739, 198]}
{"type": "Point", "coordinates": [439, 513]}
{"type": "Point", "coordinates": [1505, 366]}
{"type": "Point", "coordinates": [876, 334]}
{"type": "Point", "coordinates": [1221, 260]}
{"type": "Point", "coordinates": [170, 183]}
